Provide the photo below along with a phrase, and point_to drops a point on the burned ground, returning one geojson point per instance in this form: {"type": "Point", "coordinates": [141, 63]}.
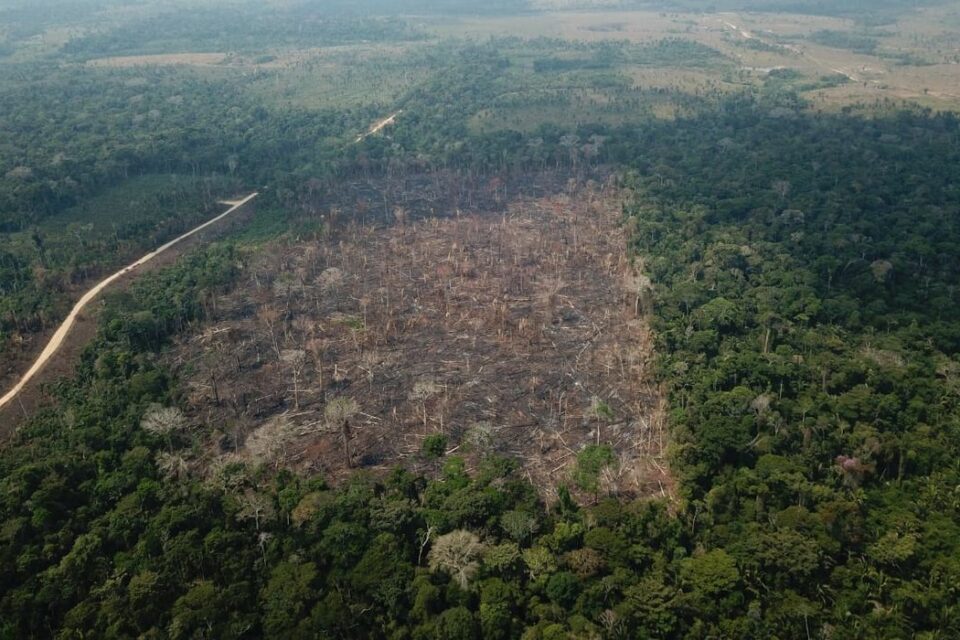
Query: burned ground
{"type": "Point", "coordinates": [519, 331]}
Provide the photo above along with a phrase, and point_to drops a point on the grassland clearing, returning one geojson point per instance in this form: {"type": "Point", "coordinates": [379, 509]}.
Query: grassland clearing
{"type": "Point", "coordinates": [161, 59]}
{"type": "Point", "coordinates": [905, 61]}
{"type": "Point", "coordinates": [915, 59]}
{"type": "Point", "coordinates": [588, 26]}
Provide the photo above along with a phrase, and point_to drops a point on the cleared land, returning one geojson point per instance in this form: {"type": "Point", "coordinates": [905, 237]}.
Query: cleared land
{"type": "Point", "coordinates": [915, 59]}
{"type": "Point", "coordinates": [161, 59]}
{"type": "Point", "coordinates": [518, 330]}
{"type": "Point", "coordinates": [835, 63]}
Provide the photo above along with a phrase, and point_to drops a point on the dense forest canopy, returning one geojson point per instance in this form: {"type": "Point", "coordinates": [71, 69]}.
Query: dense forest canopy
{"type": "Point", "coordinates": [795, 219]}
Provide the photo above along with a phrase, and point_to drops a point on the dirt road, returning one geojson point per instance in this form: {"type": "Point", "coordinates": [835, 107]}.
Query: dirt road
{"type": "Point", "coordinates": [379, 125]}
{"type": "Point", "coordinates": [57, 340]}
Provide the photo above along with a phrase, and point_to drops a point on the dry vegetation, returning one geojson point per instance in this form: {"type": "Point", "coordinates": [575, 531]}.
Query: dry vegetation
{"type": "Point", "coordinates": [519, 330]}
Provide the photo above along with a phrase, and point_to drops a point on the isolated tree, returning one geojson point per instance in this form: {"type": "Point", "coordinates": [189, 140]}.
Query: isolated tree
{"type": "Point", "coordinates": [434, 446]}
{"type": "Point", "coordinates": [480, 437]}
{"type": "Point", "coordinates": [173, 466]}
{"type": "Point", "coordinates": [270, 317]}
{"type": "Point", "coordinates": [338, 413]}
{"type": "Point", "coordinates": [423, 391]}
{"type": "Point", "coordinates": [255, 506]}
{"type": "Point", "coordinates": [591, 460]}
{"type": "Point", "coordinates": [315, 348]}
{"type": "Point", "coordinates": [283, 435]}
{"type": "Point", "coordinates": [602, 412]}
{"type": "Point", "coordinates": [163, 422]}
{"type": "Point", "coordinates": [457, 553]}
{"type": "Point", "coordinates": [330, 279]}
{"type": "Point", "coordinates": [296, 360]}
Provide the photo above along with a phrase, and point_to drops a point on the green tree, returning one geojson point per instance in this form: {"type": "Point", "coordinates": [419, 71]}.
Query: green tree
{"type": "Point", "coordinates": [287, 598]}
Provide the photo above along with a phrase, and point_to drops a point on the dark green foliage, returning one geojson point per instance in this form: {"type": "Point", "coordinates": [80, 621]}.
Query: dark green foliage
{"type": "Point", "coordinates": [457, 623]}
{"type": "Point", "coordinates": [559, 64]}
{"type": "Point", "coordinates": [858, 43]}
{"type": "Point", "coordinates": [563, 588]}
{"type": "Point", "coordinates": [434, 446]}
{"type": "Point", "coordinates": [590, 462]}
{"type": "Point", "coordinates": [83, 190]}
{"type": "Point", "coordinates": [805, 325]}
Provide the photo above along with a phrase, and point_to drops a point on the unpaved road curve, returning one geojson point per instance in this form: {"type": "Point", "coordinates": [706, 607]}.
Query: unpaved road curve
{"type": "Point", "coordinates": [68, 323]}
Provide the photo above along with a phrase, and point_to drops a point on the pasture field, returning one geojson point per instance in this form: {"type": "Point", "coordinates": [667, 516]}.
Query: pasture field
{"type": "Point", "coordinates": [916, 58]}
{"type": "Point", "coordinates": [913, 59]}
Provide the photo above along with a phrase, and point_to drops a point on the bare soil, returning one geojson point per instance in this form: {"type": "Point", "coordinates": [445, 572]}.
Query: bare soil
{"type": "Point", "coordinates": [516, 330]}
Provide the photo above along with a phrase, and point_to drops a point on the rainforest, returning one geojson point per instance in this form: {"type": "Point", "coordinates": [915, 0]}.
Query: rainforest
{"type": "Point", "coordinates": [535, 319]}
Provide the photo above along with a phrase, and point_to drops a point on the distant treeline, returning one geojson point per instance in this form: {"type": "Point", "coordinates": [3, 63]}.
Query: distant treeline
{"type": "Point", "coordinates": [863, 10]}
{"type": "Point", "coordinates": [237, 30]}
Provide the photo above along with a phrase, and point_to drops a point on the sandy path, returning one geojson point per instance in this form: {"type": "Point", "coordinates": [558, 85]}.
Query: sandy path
{"type": "Point", "coordinates": [746, 35]}
{"type": "Point", "coordinates": [57, 340]}
{"type": "Point", "coordinates": [378, 126]}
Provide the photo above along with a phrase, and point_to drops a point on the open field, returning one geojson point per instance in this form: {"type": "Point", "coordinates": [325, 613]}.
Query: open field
{"type": "Point", "coordinates": [161, 59]}
{"type": "Point", "coordinates": [590, 26]}
{"type": "Point", "coordinates": [519, 331]}
{"type": "Point", "coordinates": [915, 59]}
